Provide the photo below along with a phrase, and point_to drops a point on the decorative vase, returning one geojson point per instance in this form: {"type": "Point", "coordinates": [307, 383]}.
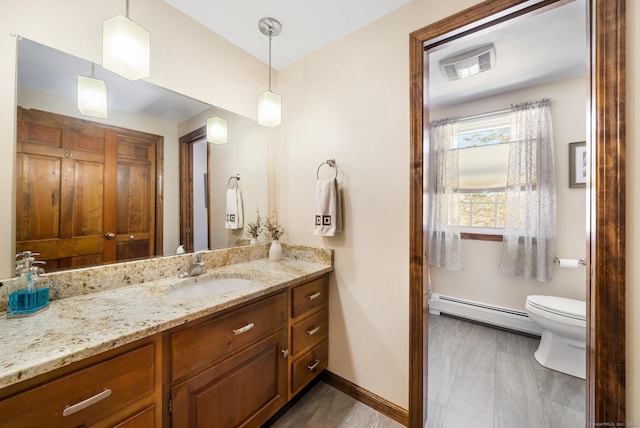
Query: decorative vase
{"type": "Point", "coordinates": [253, 240]}
{"type": "Point", "coordinates": [275, 251]}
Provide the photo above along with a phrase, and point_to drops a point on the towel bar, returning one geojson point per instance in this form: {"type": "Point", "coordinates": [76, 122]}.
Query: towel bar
{"type": "Point", "coordinates": [331, 163]}
{"type": "Point", "coordinates": [233, 177]}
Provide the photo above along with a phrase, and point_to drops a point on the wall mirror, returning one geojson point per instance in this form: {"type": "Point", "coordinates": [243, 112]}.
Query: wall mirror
{"type": "Point", "coordinates": [605, 399]}
{"type": "Point", "coordinates": [47, 82]}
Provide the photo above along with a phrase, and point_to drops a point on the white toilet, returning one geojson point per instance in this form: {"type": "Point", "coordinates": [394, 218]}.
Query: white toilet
{"type": "Point", "coordinates": [564, 331]}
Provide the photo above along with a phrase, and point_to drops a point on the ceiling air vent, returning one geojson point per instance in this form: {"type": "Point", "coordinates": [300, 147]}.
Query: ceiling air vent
{"type": "Point", "coordinates": [468, 63]}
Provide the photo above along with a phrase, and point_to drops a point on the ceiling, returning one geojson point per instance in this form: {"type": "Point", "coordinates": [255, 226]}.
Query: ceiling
{"type": "Point", "coordinates": [306, 26]}
{"type": "Point", "coordinates": [534, 50]}
{"type": "Point", "coordinates": [531, 50]}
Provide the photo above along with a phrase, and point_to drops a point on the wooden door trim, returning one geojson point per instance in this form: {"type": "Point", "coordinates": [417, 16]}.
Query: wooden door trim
{"type": "Point", "coordinates": [606, 397]}
{"type": "Point", "coordinates": [159, 211]}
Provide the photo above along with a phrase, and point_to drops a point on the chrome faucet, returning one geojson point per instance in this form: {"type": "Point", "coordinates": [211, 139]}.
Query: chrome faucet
{"type": "Point", "coordinates": [195, 268]}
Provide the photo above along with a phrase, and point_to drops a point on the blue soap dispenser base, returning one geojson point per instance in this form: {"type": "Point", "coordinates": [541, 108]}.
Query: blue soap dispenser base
{"type": "Point", "coordinates": [28, 293]}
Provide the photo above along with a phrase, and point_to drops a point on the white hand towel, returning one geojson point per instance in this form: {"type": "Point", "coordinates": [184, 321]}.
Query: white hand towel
{"type": "Point", "coordinates": [328, 208]}
{"type": "Point", "coordinates": [234, 209]}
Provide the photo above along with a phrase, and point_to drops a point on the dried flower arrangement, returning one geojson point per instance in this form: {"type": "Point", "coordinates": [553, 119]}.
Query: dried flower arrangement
{"type": "Point", "coordinates": [273, 230]}
{"type": "Point", "coordinates": [255, 229]}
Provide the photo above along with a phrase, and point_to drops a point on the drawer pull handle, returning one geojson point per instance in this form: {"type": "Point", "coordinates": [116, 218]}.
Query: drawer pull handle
{"type": "Point", "coordinates": [314, 330]}
{"type": "Point", "coordinates": [313, 296]}
{"type": "Point", "coordinates": [70, 410]}
{"type": "Point", "coordinates": [244, 329]}
{"type": "Point", "coordinates": [311, 367]}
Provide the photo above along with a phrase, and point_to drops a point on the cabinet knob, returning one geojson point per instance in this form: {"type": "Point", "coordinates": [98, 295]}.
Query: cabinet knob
{"type": "Point", "coordinates": [109, 235]}
{"type": "Point", "coordinates": [285, 353]}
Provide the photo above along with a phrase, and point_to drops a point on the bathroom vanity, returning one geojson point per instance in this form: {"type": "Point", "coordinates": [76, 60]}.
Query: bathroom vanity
{"type": "Point", "coordinates": [136, 356]}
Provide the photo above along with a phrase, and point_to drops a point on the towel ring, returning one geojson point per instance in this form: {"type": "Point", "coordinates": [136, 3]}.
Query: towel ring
{"type": "Point", "coordinates": [331, 163]}
{"type": "Point", "coordinates": [233, 177]}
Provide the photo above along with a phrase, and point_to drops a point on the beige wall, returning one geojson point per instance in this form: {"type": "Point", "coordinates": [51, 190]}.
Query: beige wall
{"type": "Point", "coordinates": [188, 59]}
{"type": "Point", "coordinates": [480, 279]}
{"type": "Point", "coordinates": [348, 101]}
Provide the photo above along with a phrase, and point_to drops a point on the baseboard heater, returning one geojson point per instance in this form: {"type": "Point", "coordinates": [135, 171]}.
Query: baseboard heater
{"type": "Point", "coordinates": [481, 312]}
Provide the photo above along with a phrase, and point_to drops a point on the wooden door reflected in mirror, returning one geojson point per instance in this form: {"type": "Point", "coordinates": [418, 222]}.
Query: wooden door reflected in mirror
{"type": "Point", "coordinates": [87, 192]}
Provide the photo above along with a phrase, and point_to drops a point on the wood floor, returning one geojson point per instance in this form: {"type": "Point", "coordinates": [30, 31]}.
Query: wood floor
{"type": "Point", "coordinates": [479, 377]}
{"type": "Point", "coordinates": [486, 378]}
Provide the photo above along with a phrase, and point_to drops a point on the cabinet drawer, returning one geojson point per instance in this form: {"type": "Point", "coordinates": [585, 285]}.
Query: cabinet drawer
{"type": "Point", "coordinates": [86, 396]}
{"type": "Point", "coordinates": [308, 366]}
{"type": "Point", "coordinates": [144, 419]}
{"type": "Point", "coordinates": [199, 346]}
{"type": "Point", "coordinates": [309, 331]}
{"type": "Point", "coordinates": [309, 296]}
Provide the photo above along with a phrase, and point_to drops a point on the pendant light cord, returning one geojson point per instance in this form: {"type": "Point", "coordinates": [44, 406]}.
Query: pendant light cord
{"type": "Point", "coordinates": [127, 8]}
{"type": "Point", "coordinates": [270, 33]}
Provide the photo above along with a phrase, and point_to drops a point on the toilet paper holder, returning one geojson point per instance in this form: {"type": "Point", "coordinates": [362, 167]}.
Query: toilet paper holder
{"type": "Point", "coordinates": [580, 261]}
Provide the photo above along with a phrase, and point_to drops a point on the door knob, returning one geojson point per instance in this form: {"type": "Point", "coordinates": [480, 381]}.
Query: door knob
{"type": "Point", "coordinates": [109, 235]}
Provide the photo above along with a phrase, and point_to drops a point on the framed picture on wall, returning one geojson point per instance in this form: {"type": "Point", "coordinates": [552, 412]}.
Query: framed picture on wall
{"type": "Point", "coordinates": [578, 164]}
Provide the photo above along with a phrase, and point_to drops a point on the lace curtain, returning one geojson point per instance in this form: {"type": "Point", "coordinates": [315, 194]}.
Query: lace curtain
{"type": "Point", "coordinates": [530, 219]}
{"type": "Point", "coordinates": [445, 249]}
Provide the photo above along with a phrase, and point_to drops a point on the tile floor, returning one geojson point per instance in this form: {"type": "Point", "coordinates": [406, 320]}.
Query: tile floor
{"type": "Point", "coordinates": [326, 407]}
{"type": "Point", "coordinates": [490, 379]}
{"type": "Point", "coordinates": [479, 377]}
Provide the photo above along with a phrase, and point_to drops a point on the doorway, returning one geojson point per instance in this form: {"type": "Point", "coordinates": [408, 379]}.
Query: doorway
{"type": "Point", "coordinates": [605, 397]}
{"type": "Point", "coordinates": [194, 191]}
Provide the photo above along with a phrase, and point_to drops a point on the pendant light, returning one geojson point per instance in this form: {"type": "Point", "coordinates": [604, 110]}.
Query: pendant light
{"type": "Point", "coordinates": [92, 96]}
{"type": "Point", "coordinates": [216, 130]}
{"type": "Point", "coordinates": [125, 47]}
{"type": "Point", "coordinates": [269, 103]}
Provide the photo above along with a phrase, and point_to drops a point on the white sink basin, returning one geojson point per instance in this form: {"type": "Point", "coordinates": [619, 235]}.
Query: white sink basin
{"type": "Point", "coordinates": [212, 287]}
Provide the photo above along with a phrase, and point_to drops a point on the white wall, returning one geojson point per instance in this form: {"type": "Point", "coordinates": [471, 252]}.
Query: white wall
{"type": "Point", "coordinates": [480, 279]}
{"type": "Point", "coordinates": [200, 227]}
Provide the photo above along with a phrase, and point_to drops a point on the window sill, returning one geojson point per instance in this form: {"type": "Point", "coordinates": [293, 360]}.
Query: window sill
{"type": "Point", "coordinates": [481, 237]}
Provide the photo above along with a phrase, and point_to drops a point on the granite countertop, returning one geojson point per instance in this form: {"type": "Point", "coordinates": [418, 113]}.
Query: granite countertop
{"type": "Point", "coordinates": [79, 327]}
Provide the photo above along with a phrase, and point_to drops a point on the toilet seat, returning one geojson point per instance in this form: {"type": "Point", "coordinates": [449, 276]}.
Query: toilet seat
{"type": "Point", "coordinates": [561, 306]}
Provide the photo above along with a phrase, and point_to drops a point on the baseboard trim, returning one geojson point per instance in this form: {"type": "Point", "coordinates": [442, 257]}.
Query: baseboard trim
{"type": "Point", "coordinates": [372, 400]}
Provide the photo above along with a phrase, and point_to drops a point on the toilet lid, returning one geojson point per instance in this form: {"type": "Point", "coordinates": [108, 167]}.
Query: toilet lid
{"type": "Point", "coordinates": [571, 308]}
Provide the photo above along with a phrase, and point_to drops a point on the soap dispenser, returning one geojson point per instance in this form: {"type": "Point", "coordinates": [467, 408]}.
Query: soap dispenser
{"type": "Point", "coordinates": [29, 291]}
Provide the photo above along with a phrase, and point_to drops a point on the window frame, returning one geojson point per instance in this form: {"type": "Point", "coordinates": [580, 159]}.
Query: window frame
{"type": "Point", "coordinates": [482, 120]}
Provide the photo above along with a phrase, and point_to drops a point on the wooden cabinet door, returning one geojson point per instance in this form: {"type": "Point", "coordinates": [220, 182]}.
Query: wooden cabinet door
{"type": "Point", "coordinates": [243, 391]}
{"type": "Point", "coordinates": [77, 182]}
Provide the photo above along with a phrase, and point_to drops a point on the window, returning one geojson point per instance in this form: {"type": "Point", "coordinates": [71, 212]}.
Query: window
{"type": "Point", "coordinates": [483, 157]}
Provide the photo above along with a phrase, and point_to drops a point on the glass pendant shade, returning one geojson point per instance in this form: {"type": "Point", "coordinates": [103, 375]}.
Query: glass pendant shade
{"type": "Point", "coordinates": [125, 48]}
{"type": "Point", "coordinates": [216, 130]}
{"type": "Point", "coordinates": [92, 97]}
{"type": "Point", "coordinates": [269, 109]}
